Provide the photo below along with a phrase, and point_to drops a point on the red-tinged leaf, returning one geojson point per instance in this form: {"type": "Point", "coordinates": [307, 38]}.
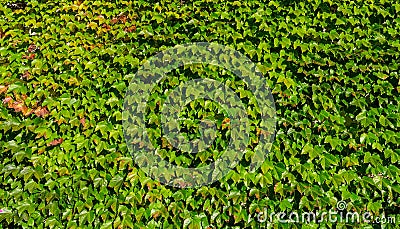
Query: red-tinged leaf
{"type": "Point", "coordinates": [114, 20]}
{"type": "Point", "coordinates": [26, 75]}
{"type": "Point", "coordinates": [17, 106]}
{"type": "Point", "coordinates": [130, 29]}
{"type": "Point", "coordinates": [30, 57]}
{"type": "Point", "coordinates": [56, 142]}
{"type": "Point", "coordinates": [7, 100]}
{"type": "Point", "coordinates": [82, 121]}
{"type": "Point", "coordinates": [107, 27]}
{"type": "Point", "coordinates": [41, 112]}
{"type": "Point", "coordinates": [20, 107]}
{"type": "Point", "coordinates": [32, 48]}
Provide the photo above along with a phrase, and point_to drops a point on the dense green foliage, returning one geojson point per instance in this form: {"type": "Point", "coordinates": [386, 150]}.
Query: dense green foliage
{"type": "Point", "coordinates": [332, 66]}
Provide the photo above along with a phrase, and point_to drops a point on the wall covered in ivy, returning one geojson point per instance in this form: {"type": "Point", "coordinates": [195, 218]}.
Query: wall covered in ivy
{"type": "Point", "coordinates": [65, 66]}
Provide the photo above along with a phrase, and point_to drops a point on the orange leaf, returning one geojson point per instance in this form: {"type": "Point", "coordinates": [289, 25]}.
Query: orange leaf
{"type": "Point", "coordinates": [3, 89]}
